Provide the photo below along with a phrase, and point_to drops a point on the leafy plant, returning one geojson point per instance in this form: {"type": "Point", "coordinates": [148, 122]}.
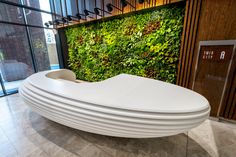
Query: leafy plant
{"type": "Point", "coordinates": [145, 44]}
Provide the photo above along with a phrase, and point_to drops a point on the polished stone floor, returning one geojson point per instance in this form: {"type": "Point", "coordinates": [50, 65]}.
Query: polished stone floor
{"type": "Point", "coordinates": [24, 133]}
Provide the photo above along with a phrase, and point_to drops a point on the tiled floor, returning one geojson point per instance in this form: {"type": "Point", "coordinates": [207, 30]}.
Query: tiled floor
{"type": "Point", "coordinates": [24, 133]}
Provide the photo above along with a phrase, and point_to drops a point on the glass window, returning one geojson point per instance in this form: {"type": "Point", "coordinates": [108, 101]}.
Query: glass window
{"type": "Point", "coordinates": [37, 18]}
{"type": "Point", "coordinates": [71, 7]}
{"type": "Point", "coordinates": [44, 46]}
{"type": "Point", "coordinates": [24, 49]}
{"type": "Point", "coordinates": [18, 48]}
{"type": "Point", "coordinates": [64, 9]}
{"type": "Point", "coordinates": [81, 6]}
{"type": "Point", "coordinates": [90, 5]}
{"type": "Point", "coordinates": [11, 13]}
{"type": "Point", "coordinates": [39, 4]}
{"type": "Point", "coordinates": [57, 7]}
{"type": "Point", "coordinates": [15, 57]}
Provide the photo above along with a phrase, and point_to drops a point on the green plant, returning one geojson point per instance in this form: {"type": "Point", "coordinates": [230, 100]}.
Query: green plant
{"type": "Point", "coordinates": [145, 44]}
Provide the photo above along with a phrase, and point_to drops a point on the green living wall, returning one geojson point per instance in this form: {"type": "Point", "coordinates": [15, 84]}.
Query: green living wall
{"type": "Point", "coordinates": [145, 44]}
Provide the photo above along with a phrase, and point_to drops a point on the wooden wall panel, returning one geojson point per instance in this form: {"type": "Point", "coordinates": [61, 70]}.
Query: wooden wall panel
{"type": "Point", "coordinates": [217, 21]}
{"type": "Point", "coordinates": [207, 20]}
{"type": "Point", "coordinates": [188, 41]}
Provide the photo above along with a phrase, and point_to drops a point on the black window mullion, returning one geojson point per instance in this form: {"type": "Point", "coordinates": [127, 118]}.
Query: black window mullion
{"type": "Point", "coordinates": [29, 40]}
{"type": "Point", "coordinates": [61, 10]}
{"type": "Point", "coordinates": [2, 85]}
{"type": "Point", "coordinates": [53, 10]}
{"type": "Point", "coordinates": [66, 8]}
{"type": "Point", "coordinates": [21, 5]}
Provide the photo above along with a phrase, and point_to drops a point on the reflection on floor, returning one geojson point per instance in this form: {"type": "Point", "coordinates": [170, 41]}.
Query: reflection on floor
{"type": "Point", "coordinates": [12, 86]}
{"type": "Point", "coordinates": [24, 133]}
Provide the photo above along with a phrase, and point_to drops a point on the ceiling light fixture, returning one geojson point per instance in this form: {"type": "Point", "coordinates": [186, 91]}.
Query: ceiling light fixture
{"type": "Point", "coordinates": [57, 22]}
{"type": "Point", "coordinates": [74, 18]}
{"type": "Point", "coordinates": [50, 22]}
{"type": "Point", "coordinates": [87, 12]}
{"type": "Point", "coordinates": [69, 18]}
{"type": "Point", "coordinates": [110, 7]}
{"type": "Point", "coordinates": [97, 11]}
{"type": "Point", "coordinates": [141, 1]}
{"type": "Point", "coordinates": [46, 24]}
{"type": "Point", "coordinates": [78, 15]}
{"type": "Point", "coordinates": [124, 3]}
{"type": "Point", "coordinates": [64, 20]}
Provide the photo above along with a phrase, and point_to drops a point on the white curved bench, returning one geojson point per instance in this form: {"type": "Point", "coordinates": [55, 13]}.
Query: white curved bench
{"type": "Point", "coordinates": [123, 106]}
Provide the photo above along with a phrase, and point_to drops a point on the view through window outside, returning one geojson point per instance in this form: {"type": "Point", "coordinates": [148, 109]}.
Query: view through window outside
{"type": "Point", "coordinates": [25, 49]}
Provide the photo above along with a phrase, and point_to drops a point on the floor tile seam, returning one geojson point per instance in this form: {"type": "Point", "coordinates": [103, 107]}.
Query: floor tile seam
{"type": "Point", "coordinates": [62, 146]}
{"type": "Point", "coordinates": [24, 134]}
{"type": "Point", "coordinates": [12, 142]}
{"type": "Point", "coordinates": [223, 147]}
{"type": "Point", "coordinates": [40, 147]}
{"type": "Point", "coordinates": [74, 131]}
{"type": "Point", "coordinates": [17, 153]}
{"type": "Point", "coordinates": [104, 150]}
{"type": "Point", "coordinates": [58, 151]}
{"type": "Point", "coordinates": [40, 143]}
{"type": "Point", "coordinates": [94, 144]}
{"type": "Point", "coordinates": [48, 155]}
{"type": "Point", "coordinates": [72, 153]}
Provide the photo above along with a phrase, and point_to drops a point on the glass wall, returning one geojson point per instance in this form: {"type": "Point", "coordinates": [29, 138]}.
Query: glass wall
{"type": "Point", "coordinates": [44, 48]}
{"type": "Point", "coordinates": [26, 45]}
{"type": "Point", "coordinates": [11, 13]}
{"type": "Point", "coordinates": [16, 61]}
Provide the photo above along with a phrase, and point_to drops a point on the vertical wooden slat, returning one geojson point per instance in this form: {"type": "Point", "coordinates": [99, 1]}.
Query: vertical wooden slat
{"type": "Point", "coordinates": [203, 22]}
{"type": "Point", "coordinates": [193, 41]}
{"type": "Point", "coordinates": [184, 59]}
{"type": "Point", "coordinates": [192, 15]}
{"type": "Point", "coordinates": [183, 41]}
{"type": "Point", "coordinates": [189, 41]}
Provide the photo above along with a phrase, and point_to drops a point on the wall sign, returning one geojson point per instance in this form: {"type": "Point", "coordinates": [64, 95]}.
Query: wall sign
{"type": "Point", "coordinates": [216, 52]}
{"type": "Point", "coordinates": [212, 70]}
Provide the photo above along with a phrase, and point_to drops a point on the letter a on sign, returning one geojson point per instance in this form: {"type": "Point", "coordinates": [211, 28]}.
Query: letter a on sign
{"type": "Point", "coordinates": [222, 55]}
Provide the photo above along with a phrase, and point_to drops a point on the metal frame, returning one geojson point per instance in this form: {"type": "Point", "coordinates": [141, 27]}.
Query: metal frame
{"type": "Point", "coordinates": [2, 85]}
{"type": "Point", "coordinates": [27, 7]}
{"type": "Point", "coordinates": [21, 24]}
{"type": "Point", "coordinates": [29, 40]}
{"type": "Point", "coordinates": [131, 3]}
{"type": "Point", "coordinates": [212, 43]}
